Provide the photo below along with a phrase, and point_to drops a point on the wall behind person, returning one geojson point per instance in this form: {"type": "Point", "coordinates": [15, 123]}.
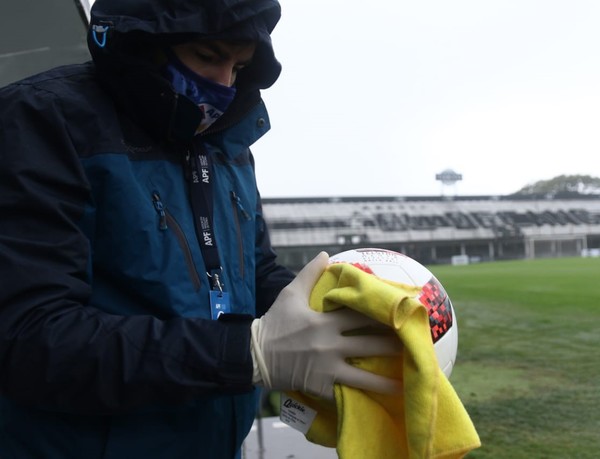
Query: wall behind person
{"type": "Point", "coordinates": [36, 35]}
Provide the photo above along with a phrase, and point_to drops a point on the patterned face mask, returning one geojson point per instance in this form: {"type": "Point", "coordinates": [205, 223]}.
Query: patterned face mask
{"type": "Point", "coordinates": [212, 98]}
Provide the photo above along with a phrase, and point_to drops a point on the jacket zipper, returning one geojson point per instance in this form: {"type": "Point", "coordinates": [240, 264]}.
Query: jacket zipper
{"type": "Point", "coordinates": [237, 209]}
{"type": "Point", "coordinates": [166, 221]}
{"type": "Point", "coordinates": [160, 210]}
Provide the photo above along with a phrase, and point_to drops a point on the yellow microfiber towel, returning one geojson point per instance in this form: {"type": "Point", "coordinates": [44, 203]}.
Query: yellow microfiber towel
{"type": "Point", "coordinates": [426, 419]}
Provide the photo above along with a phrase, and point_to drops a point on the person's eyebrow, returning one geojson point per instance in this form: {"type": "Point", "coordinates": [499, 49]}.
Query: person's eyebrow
{"type": "Point", "coordinates": [223, 53]}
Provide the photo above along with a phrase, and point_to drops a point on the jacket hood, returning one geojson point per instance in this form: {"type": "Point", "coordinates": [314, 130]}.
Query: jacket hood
{"type": "Point", "coordinates": [124, 36]}
{"type": "Point", "coordinates": [117, 26]}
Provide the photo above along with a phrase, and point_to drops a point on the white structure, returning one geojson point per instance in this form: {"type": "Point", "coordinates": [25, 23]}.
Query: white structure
{"type": "Point", "coordinates": [449, 178]}
{"type": "Point", "coordinates": [433, 230]}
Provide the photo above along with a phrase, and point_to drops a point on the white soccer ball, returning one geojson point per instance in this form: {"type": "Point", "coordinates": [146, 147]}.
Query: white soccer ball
{"type": "Point", "coordinates": [400, 268]}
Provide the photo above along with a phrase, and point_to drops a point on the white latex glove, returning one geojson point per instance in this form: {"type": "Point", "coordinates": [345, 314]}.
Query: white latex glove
{"type": "Point", "coordinates": [296, 348]}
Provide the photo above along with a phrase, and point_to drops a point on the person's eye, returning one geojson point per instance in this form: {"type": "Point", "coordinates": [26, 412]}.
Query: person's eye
{"type": "Point", "coordinates": [206, 57]}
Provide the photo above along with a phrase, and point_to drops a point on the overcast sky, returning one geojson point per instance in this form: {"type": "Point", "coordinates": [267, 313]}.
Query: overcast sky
{"type": "Point", "coordinates": [378, 97]}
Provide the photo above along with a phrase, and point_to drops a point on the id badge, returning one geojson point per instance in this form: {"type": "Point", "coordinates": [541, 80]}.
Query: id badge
{"type": "Point", "coordinates": [219, 303]}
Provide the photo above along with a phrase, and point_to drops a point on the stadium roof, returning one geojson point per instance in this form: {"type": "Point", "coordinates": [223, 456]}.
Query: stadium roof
{"type": "Point", "coordinates": [512, 197]}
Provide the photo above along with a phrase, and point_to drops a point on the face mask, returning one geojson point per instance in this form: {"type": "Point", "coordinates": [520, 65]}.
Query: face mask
{"type": "Point", "coordinates": [212, 98]}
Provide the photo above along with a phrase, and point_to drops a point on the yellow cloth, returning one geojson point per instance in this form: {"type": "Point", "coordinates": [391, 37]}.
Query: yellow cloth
{"type": "Point", "coordinates": [426, 419]}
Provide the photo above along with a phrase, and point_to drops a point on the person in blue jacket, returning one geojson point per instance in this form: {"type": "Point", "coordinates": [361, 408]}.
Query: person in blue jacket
{"type": "Point", "coordinates": [136, 270]}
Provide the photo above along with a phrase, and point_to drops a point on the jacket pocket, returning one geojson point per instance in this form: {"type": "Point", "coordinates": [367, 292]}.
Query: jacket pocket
{"type": "Point", "coordinates": [167, 222]}
{"type": "Point", "coordinates": [238, 210]}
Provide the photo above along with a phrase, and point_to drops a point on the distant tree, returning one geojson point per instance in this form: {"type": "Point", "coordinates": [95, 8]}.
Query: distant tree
{"type": "Point", "coordinates": [563, 185]}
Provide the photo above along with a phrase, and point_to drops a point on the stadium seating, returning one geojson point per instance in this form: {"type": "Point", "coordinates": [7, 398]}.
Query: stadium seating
{"type": "Point", "coordinates": [500, 227]}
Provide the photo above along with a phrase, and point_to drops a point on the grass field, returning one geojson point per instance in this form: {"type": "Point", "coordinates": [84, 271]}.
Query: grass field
{"type": "Point", "coordinates": [528, 366]}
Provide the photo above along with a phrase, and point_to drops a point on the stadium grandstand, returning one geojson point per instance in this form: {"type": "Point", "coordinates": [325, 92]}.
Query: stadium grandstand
{"type": "Point", "coordinates": [436, 230]}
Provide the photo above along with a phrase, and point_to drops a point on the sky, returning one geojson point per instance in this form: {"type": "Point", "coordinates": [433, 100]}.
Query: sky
{"type": "Point", "coordinates": [378, 97]}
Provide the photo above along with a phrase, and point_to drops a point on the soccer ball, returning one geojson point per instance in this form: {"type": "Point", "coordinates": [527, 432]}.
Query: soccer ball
{"type": "Point", "coordinates": [400, 268]}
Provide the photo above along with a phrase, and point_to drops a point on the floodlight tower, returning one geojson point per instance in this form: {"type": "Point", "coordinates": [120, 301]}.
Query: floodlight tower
{"type": "Point", "coordinates": [449, 178]}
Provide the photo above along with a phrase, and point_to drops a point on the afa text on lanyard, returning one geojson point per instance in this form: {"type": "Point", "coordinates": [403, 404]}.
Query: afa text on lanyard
{"type": "Point", "coordinates": [201, 190]}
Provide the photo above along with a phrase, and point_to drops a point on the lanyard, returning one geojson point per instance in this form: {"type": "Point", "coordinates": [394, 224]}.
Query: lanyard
{"type": "Point", "coordinates": [201, 191]}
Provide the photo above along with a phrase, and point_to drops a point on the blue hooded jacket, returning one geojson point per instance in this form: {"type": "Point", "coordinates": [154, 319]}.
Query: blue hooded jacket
{"type": "Point", "coordinates": [107, 346]}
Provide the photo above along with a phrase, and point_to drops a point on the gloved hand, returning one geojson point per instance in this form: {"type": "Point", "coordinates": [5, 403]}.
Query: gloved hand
{"type": "Point", "coordinates": [296, 348]}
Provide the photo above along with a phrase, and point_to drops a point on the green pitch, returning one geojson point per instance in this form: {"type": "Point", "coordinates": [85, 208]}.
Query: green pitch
{"type": "Point", "coordinates": [528, 366]}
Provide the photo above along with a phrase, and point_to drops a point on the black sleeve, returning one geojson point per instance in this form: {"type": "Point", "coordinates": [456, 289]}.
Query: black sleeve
{"type": "Point", "coordinates": [57, 352]}
{"type": "Point", "coordinates": [271, 277]}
